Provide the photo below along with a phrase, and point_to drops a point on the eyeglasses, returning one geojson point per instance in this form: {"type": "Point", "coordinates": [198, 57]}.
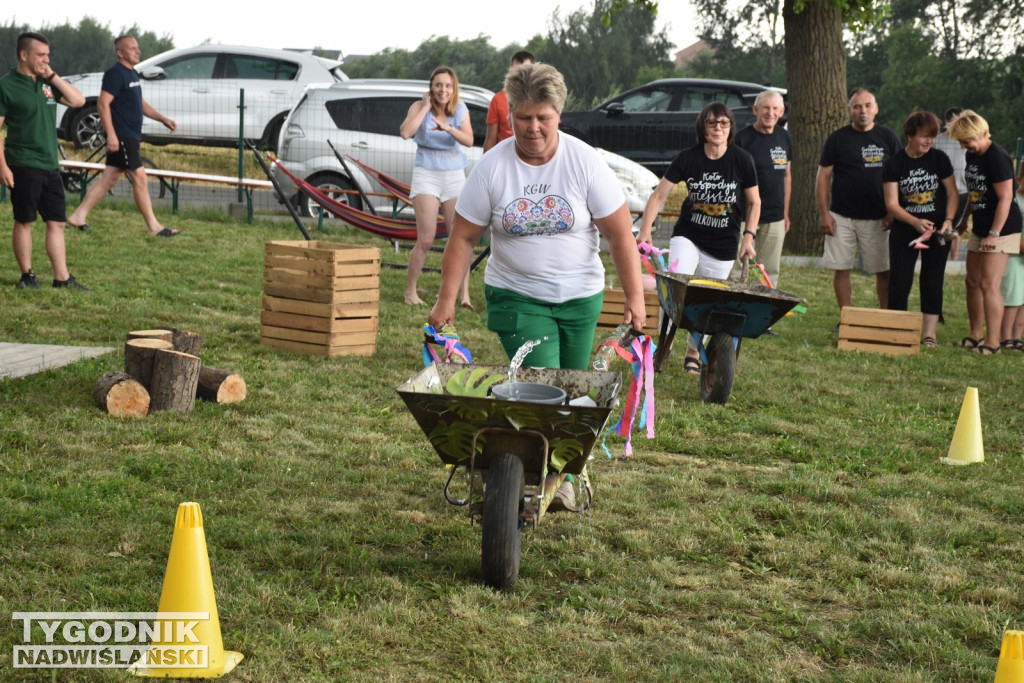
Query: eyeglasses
{"type": "Point", "coordinates": [720, 123]}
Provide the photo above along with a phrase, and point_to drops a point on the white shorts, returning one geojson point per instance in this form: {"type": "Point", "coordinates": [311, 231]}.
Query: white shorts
{"type": "Point", "coordinates": [686, 258]}
{"type": "Point", "coordinates": [851, 233]}
{"type": "Point", "coordinates": [444, 185]}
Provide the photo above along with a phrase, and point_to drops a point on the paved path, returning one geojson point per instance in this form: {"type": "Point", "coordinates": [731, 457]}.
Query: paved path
{"type": "Point", "coordinates": [21, 360]}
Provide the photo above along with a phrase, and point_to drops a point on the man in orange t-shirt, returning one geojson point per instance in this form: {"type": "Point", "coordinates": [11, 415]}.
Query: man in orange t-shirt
{"type": "Point", "coordinates": [498, 127]}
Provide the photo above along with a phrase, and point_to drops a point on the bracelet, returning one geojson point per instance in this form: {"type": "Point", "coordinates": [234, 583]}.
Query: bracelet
{"type": "Point", "coordinates": [750, 232]}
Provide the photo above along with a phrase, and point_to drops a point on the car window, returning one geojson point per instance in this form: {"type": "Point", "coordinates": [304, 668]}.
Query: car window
{"type": "Point", "coordinates": [190, 66]}
{"type": "Point", "coordinates": [648, 100]}
{"type": "Point", "coordinates": [478, 119]}
{"type": "Point", "coordinates": [384, 115]}
{"type": "Point", "coordinates": [695, 97]}
{"type": "Point", "coordinates": [378, 115]}
{"type": "Point", "coordinates": [264, 68]}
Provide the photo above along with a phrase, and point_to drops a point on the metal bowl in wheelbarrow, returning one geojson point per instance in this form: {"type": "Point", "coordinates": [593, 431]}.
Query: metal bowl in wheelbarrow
{"type": "Point", "coordinates": [706, 305]}
{"type": "Point", "coordinates": [453, 423]}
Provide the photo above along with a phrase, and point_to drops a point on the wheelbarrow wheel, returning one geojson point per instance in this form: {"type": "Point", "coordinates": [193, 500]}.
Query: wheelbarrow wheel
{"type": "Point", "coordinates": [717, 375]}
{"type": "Point", "coordinates": [502, 532]}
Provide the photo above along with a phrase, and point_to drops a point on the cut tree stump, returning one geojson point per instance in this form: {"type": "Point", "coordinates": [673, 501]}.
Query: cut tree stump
{"type": "Point", "coordinates": [186, 342]}
{"type": "Point", "coordinates": [138, 358]}
{"type": "Point", "coordinates": [220, 386]}
{"type": "Point", "coordinates": [165, 335]}
{"type": "Point", "coordinates": [175, 379]}
{"type": "Point", "coordinates": [120, 395]}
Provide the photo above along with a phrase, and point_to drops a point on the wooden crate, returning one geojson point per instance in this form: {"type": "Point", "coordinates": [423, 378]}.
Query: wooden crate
{"type": "Point", "coordinates": [320, 298]}
{"type": "Point", "coordinates": [615, 305]}
{"type": "Point", "coordinates": [872, 329]}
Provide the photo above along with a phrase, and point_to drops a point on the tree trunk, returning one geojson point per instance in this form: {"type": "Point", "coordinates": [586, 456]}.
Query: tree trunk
{"type": "Point", "coordinates": [220, 386]}
{"type": "Point", "coordinates": [175, 378]}
{"type": "Point", "coordinates": [186, 342]}
{"type": "Point", "coordinates": [120, 395]}
{"type": "Point", "coordinates": [165, 335]}
{"type": "Point", "coordinates": [816, 72]}
{"type": "Point", "coordinates": [138, 358]}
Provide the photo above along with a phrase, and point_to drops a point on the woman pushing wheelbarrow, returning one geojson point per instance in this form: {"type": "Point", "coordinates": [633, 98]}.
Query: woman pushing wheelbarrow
{"type": "Point", "coordinates": [547, 199]}
{"type": "Point", "coordinates": [719, 217]}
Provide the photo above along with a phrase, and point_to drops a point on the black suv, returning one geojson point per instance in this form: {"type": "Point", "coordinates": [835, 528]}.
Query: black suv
{"type": "Point", "coordinates": [653, 123]}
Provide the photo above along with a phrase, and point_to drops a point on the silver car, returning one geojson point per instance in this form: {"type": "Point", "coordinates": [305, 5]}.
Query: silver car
{"type": "Point", "coordinates": [199, 88]}
{"type": "Point", "coordinates": [361, 118]}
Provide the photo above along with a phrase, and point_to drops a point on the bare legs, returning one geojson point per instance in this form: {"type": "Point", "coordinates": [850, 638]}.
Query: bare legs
{"type": "Point", "coordinates": [843, 287]}
{"type": "Point", "coordinates": [984, 297]}
{"type": "Point", "coordinates": [105, 183]}
{"type": "Point", "coordinates": [21, 240]}
{"type": "Point", "coordinates": [426, 208]}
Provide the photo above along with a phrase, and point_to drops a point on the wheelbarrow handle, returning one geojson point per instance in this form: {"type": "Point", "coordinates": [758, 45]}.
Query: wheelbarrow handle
{"type": "Point", "coordinates": [620, 336]}
{"type": "Point", "coordinates": [745, 270]}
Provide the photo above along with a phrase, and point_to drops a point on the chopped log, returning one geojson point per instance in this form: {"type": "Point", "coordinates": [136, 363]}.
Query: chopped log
{"type": "Point", "coordinates": [220, 386]}
{"type": "Point", "coordinates": [120, 395]}
{"type": "Point", "coordinates": [138, 358]}
{"type": "Point", "coordinates": [150, 334]}
{"type": "Point", "coordinates": [175, 378]}
{"type": "Point", "coordinates": [186, 342]}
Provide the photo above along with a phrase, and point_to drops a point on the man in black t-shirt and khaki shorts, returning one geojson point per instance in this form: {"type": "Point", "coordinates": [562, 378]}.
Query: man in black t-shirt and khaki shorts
{"type": "Point", "coordinates": [856, 218]}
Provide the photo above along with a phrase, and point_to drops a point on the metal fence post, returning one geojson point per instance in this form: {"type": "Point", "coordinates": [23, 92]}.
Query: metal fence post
{"type": "Point", "coordinates": [241, 139]}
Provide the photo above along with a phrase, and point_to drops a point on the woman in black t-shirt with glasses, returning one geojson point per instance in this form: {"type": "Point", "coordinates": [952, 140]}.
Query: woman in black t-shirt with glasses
{"type": "Point", "coordinates": [718, 220]}
{"type": "Point", "coordinates": [920, 194]}
{"type": "Point", "coordinates": [995, 233]}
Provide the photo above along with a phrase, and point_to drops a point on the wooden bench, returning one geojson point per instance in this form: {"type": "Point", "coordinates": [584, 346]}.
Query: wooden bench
{"type": "Point", "coordinates": [174, 180]}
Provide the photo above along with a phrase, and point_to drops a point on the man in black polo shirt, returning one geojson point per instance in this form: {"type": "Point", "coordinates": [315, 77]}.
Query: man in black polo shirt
{"type": "Point", "coordinates": [851, 167]}
{"type": "Point", "coordinates": [772, 148]}
{"type": "Point", "coordinates": [28, 158]}
{"type": "Point", "coordinates": [121, 109]}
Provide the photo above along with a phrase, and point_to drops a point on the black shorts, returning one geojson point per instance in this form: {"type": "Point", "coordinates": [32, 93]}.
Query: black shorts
{"type": "Point", "coordinates": [37, 191]}
{"type": "Point", "coordinates": [127, 157]}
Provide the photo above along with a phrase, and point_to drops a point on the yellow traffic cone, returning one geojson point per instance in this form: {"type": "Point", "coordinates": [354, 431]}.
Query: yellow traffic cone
{"type": "Point", "coordinates": [188, 587]}
{"type": "Point", "coordinates": [1011, 658]}
{"type": "Point", "coordinates": [967, 446]}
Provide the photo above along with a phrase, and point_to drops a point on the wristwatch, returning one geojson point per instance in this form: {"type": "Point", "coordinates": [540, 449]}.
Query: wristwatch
{"type": "Point", "coordinates": [993, 233]}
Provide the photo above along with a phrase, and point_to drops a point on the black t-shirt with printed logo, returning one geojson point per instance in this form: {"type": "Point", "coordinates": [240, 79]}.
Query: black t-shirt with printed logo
{"type": "Point", "coordinates": [982, 173]}
{"type": "Point", "coordinates": [919, 183]}
{"type": "Point", "coordinates": [857, 158]}
{"type": "Point", "coordinates": [714, 210]}
{"type": "Point", "coordinates": [772, 153]}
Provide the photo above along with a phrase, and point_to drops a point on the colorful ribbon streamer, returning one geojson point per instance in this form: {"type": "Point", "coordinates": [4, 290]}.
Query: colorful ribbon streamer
{"type": "Point", "coordinates": [640, 355]}
{"type": "Point", "coordinates": [448, 339]}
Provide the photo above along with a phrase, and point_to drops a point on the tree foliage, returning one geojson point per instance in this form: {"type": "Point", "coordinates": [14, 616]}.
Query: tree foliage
{"type": "Point", "coordinates": [87, 47]}
{"type": "Point", "coordinates": [600, 56]}
{"type": "Point", "coordinates": [599, 52]}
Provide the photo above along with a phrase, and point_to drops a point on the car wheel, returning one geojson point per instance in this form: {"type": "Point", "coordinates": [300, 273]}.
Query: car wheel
{"type": "Point", "coordinates": [87, 128]}
{"type": "Point", "coordinates": [329, 183]}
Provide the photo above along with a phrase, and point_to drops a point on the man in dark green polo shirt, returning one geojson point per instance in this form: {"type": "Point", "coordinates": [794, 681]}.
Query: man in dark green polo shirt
{"type": "Point", "coordinates": [28, 157]}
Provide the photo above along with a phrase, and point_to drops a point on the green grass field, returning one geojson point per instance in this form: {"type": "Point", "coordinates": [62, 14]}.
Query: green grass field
{"type": "Point", "coordinates": [805, 531]}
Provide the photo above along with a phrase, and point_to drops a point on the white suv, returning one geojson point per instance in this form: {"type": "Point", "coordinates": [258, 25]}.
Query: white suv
{"type": "Point", "coordinates": [198, 88]}
{"type": "Point", "coordinates": [361, 117]}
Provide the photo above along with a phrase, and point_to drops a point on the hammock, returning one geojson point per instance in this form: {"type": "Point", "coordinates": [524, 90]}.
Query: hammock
{"type": "Point", "coordinates": [392, 228]}
{"type": "Point", "coordinates": [393, 185]}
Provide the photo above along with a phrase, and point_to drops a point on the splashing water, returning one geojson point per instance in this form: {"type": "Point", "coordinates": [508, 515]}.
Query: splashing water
{"type": "Point", "coordinates": [517, 360]}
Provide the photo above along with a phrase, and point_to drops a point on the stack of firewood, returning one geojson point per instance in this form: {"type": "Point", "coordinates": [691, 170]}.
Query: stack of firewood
{"type": "Point", "coordinates": [162, 371]}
